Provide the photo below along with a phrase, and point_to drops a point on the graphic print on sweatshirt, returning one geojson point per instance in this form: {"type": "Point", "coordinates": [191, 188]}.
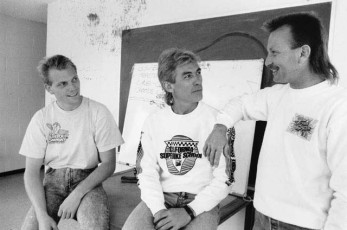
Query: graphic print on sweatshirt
{"type": "Point", "coordinates": [56, 134]}
{"type": "Point", "coordinates": [180, 153]}
{"type": "Point", "coordinates": [302, 126]}
{"type": "Point", "coordinates": [139, 156]}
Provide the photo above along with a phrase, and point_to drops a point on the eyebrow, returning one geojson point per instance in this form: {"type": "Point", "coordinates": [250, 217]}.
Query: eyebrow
{"type": "Point", "coordinates": [76, 76]}
{"type": "Point", "coordinates": [199, 69]}
{"type": "Point", "coordinates": [59, 82]}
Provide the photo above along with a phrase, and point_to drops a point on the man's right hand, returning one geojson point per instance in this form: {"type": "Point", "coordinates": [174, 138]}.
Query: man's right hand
{"type": "Point", "coordinates": [173, 219]}
{"type": "Point", "coordinates": [216, 143]}
{"type": "Point", "coordinates": [47, 223]}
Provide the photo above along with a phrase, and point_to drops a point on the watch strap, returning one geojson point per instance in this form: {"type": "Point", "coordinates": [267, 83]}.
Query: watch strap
{"type": "Point", "coordinates": [189, 211]}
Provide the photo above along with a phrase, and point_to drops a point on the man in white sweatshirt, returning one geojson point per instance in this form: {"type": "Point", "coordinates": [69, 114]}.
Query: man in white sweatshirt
{"type": "Point", "coordinates": [179, 187]}
{"type": "Point", "coordinates": [302, 170]}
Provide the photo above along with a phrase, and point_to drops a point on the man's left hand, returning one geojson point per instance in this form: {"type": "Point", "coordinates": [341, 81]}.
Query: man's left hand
{"type": "Point", "coordinates": [68, 208]}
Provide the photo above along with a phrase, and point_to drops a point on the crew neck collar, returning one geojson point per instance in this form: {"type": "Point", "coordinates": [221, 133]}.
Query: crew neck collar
{"type": "Point", "coordinates": [70, 111]}
{"type": "Point", "coordinates": [192, 113]}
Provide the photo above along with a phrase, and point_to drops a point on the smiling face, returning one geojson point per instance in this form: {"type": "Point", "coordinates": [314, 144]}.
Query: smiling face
{"type": "Point", "coordinates": [65, 86]}
{"type": "Point", "coordinates": [187, 89]}
{"type": "Point", "coordinates": [282, 59]}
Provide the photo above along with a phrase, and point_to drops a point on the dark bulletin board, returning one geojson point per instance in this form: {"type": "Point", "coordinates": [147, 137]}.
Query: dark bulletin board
{"type": "Point", "coordinates": [224, 38]}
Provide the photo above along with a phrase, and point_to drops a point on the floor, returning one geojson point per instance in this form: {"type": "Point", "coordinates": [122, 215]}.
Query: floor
{"type": "Point", "coordinates": [14, 202]}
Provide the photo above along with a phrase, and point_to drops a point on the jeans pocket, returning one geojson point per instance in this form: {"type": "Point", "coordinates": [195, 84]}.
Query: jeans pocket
{"type": "Point", "coordinates": [50, 171]}
{"type": "Point", "coordinates": [50, 176]}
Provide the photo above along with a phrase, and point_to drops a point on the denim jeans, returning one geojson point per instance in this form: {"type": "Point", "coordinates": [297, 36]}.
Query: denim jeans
{"type": "Point", "coordinates": [262, 222]}
{"type": "Point", "coordinates": [142, 218]}
{"type": "Point", "coordinates": [92, 212]}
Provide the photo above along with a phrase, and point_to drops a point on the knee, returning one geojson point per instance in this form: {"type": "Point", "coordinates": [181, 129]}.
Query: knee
{"type": "Point", "coordinates": [94, 217]}
{"type": "Point", "coordinates": [101, 222]}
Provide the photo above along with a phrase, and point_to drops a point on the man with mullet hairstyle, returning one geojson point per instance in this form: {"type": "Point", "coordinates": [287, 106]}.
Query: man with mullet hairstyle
{"type": "Point", "coordinates": [179, 187]}
{"type": "Point", "coordinates": [302, 169]}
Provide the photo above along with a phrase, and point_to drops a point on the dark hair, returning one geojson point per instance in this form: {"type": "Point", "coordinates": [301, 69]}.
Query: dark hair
{"type": "Point", "coordinates": [168, 61]}
{"type": "Point", "coordinates": [58, 62]}
{"type": "Point", "coordinates": [307, 29]}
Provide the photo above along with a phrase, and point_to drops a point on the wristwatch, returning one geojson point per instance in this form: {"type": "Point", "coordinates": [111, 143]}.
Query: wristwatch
{"type": "Point", "coordinates": [189, 211]}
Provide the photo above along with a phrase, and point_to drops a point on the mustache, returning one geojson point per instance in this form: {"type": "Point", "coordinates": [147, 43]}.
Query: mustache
{"type": "Point", "coordinates": [197, 89]}
{"type": "Point", "coordinates": [273, 67]}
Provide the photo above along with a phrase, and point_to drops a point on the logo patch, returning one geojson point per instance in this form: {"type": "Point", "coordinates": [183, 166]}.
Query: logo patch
{"type": "Point", "coordinates": [56, 134]}
{"type": "Point", "coordinates": [302, 126]}
{"type": "Point", "coordinates": [180, 153]}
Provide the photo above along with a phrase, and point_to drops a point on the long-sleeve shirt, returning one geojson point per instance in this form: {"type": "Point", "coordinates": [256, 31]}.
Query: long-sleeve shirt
{"type": "Point", "coordinates": [302, 168]}
{"type": "Point", "coordinates": [173, 160]}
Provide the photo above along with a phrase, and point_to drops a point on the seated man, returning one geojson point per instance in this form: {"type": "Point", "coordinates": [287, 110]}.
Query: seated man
{"type": "Point", "coordinates": [179, 187]}
{"type": "Point", "coordinates": [70, 137]}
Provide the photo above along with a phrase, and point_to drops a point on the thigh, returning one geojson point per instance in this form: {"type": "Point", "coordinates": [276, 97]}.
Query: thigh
{"type": "Point", "coordinates": [93, 212]}
{"type": "Point", "coordinates": [205, 221]}
{"type": "Point", "coordinates": [53, 202]}
{"type": "Point", "coordinates": [261, 221]}
{"type": "Point", "coordinates": [140, 218]}
{"type": "Point", "coordinates": [55, 192]}
{"type": "Point", "coordinates": [285, 226]}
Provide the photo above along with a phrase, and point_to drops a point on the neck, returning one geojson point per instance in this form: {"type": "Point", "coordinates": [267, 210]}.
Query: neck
{"type": "Point", "coordinates": [184, 108]}
{"type": "Point", "coordinates": [70, 107]}
{"type": "Point", "coordinates": [306, 80]}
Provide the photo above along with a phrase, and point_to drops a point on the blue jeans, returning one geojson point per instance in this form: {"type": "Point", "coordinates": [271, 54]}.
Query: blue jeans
{"type": "Point", "coordinates": [262, 222]}
{"type": "Point", "coordinates": [142, 218]}
{"type": "Point", "coordinates": [92, 212]}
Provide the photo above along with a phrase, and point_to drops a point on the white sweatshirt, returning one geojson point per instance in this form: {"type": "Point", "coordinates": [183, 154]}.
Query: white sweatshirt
{"type": "Point", "coordinates": [302, 168]}
{"type": "Point", "coordinates": [173, 160]}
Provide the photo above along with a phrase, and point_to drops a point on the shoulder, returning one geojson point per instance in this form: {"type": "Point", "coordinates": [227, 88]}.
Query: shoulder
{"type": "Point", "coordinates": [38, 120]}
{"type": "Point", "coordinates": [159, 114]}
{"type": "Point", "coordinates": [96, 107]}
{"type": "Point", "coordinates": [94, 104]}
{"type": "Point", "coordinates": [338, 96]}
{"type": "Point", "coordinates": [276, 88]}
{"type": "Point", "coordinates": [42, 113]}
{"type": "Point", "coordinates": [339, 92]}
{"type": "Point", "coordinates": [205, 108]}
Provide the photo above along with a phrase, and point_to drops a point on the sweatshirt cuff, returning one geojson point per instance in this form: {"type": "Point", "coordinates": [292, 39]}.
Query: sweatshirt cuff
{"type": "Point", "coordinates": [156, 208]}
{"type": "Point", "coordinates": [196, 208]}
{"type": "Point", "coordinates": [224, 119]}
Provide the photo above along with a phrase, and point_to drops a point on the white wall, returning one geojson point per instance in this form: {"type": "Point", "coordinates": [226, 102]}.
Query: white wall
{"type": "Point", "coordinates": [22, 45]}
{"type": "Point", "coordinates": [97, 52]}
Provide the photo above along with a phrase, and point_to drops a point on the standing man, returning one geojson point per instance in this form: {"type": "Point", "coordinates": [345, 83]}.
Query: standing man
{"type": "Point", "coordinates": [302, 170]}
{"type": "Point", "coordinates": [70, 137]}
{"type": "Point", "coordinates": [179, 187]}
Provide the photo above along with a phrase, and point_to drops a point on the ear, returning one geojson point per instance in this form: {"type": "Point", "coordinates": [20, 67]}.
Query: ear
{"type": "Point", "coordinates": [305, 52]}
{"type": "Point", "coordinates": [168, 86]}
{"type": "Point", "coordinates": [48, 88]}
